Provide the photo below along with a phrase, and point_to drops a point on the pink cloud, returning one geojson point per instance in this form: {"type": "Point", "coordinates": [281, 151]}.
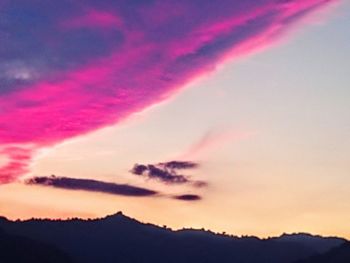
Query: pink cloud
{"type": "Point", "coordinates": [87, 80]}
{"type": "Point", "coordinates": [17, 164]}
{"type": "Point", "coordinates": [211, 141]}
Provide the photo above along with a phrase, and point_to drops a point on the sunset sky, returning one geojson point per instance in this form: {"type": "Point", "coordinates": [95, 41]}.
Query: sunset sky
{"type": "Point", "coordinates": [250, 98]}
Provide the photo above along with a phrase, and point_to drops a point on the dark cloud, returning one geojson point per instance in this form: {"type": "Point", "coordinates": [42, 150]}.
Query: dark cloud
{"type": "Point", "coordinates": [166, 175]}
{"type": "Point", "coordinates": [166, 172]}
{"type": "Point", "coordinates": [179, 165]}
{"type": "Point", "coordinates": [139, 169]}
{"type": "Point", "coordinates": [90, 185]}
{"type": "Point", "coordinates": [188, 197]}
{"type": "Point", "coordinates": [159, 173]}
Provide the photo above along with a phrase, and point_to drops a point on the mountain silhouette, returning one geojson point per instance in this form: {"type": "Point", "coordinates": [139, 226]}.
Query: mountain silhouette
{"type": "Point", "coordinates": [318, 243]}
{"type": "Point", "coordinates": [120, 239]}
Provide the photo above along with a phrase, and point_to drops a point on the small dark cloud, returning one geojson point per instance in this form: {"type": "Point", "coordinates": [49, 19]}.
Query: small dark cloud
{"type": "Point", "coordinates": [90, 185]}
{"type": "Point", "coordinates": [179, 165]}
{"type": "Point", "coordinates": [165, 175]}
{"type": "Point", "coordinates": [165, 172]}
{"type": "Point", "coordinates": [139, 169]}
{"type": "Point", "coordinates": [188, 197]}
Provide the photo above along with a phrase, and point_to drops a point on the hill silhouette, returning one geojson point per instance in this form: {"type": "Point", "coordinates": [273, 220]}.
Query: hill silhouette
{"type": "Point", "coordinates": [118, 238]}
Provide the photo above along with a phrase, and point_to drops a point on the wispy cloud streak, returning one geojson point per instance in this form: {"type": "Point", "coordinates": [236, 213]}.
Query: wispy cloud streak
{"type": "Point", "coordinates": [90, 185]}
{"type": "Point", "coordinates": [212, 140]}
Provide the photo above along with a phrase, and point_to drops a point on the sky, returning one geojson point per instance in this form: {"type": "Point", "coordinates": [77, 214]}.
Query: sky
{"type": "Point", "coordinates": [235, 119]}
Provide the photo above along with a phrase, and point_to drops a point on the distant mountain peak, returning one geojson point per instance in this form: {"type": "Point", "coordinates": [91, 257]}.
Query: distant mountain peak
{"type": "Point", "coordinates": [304, 235]}
{"type": "Point", "coordinates": [319, 243]}
{"type": "Point", "coordinates": [119, 238]}
{"type": "Point", "coordinates": [120, 218]}
{"type": "Point", "coordinates": [118, 214]}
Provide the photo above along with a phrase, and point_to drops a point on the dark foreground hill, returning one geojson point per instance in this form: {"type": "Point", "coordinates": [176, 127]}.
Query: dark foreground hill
{"type": "Point", "coordinates": [120, 239]}
{"type": "Point", "coordinates": [339, 254]}
{"type": "Point", "coordinates": [21, 249]}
